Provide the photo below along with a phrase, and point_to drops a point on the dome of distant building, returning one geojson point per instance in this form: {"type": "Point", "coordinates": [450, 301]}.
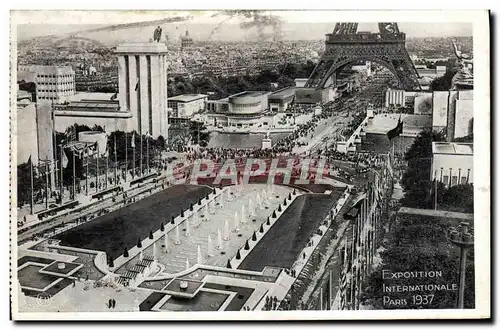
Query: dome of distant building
{"type": "Point", "coordinates": [186, 41]}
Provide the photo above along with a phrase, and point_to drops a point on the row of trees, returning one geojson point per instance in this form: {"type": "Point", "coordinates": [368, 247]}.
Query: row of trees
{"type": "Point", "coordinates": [284, 75]}
{"type": "Point", "coordinates": [418, 187]}
{"type": "Point", "coordinates": [415, 246]}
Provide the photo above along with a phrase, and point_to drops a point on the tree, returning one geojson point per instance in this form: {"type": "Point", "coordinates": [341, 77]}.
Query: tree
{"type": "Point", "coordinates": [279, 209]}
{"type": "Point", "coordinates": [418, 246]}
{"type": "Point", "coordinates": [191, 207]}
{"type": "Point", "coordinates": [254, 237]}
{"type": "Point", "coordinates": [443, 83]}
{"type": "Point", "coordinates": [238, 255]}
{"type": "Point", "coordinates": [417, 178]}
{"type": "Point", "coordinates": [125, 253]}
{"type": "Point", "coordinates": [172, 221]}
{"type": "Point", "coordinates": [261, 229]}
{"type": "Point", "coordinates": [269, 222]}
{"type": "Point", "coordinates": [182, 214]}
{"type": "Point", "coordinates": [161, 143]}
{"type": "Point", "coordinates": [228, 265]}
{"type": "Point", "coordinates": [150, 234]}
{"type": "Point", "coordinates": [274, 215]}
{"type": "Point", "coordinates": [139, 243]}
{"type": "Point", "coordinates": [162, 227]}
{"type": "Point", "coordinates": [247, 247]}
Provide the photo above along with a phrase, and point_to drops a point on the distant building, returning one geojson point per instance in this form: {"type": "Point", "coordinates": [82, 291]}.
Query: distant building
{"type": "Point", "coordinates": [186, 41]}
{"type": "Point", "coordinates": [187, 105]}
{"type": "Point", "coordinates": [52, 82]}
{"type": "Point", "coordinates": [452, 163]}
{"type": "Point", "coordinates": [394, 97]}
{"type": "Point", "coordinates": [301, 82]}
{"type": "Point", "coordinates": [306, 95]}
{"type": "Point", "coordinates": [91, 109]}
{"type": "Point", "coordinates": [453, 112]}
{"type": "Point", "coordinates": [245, 109]}
{"type": "Point", "coordinates": [280, 100]}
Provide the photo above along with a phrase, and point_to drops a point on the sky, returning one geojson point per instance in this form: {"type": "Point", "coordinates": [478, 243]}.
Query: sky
{"type": "Point", "coordinates": [44, 22]}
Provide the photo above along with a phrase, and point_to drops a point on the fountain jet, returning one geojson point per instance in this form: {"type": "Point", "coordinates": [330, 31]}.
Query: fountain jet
{"type": "Point", "coordinates": [199, 259]}
{"type": "Point", "coordinates": [210, 251]}
{"type": "Point", "coordinates": [226, 230]}
{"type": "Point", "coordinates": [177, 236]}
{"type": "Point", "coordinates": [219, 240]}
{"type": "Point", "coordinates": [243, 216]}
{"type": "Point", "coordinates": [236, 223]}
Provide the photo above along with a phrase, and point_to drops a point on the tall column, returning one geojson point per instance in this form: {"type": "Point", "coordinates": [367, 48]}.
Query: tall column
{"type": "Point", "coordinates": [165, 98]}
{"type": "Point", "coordinates": [133, 75]}
{"type": "Point", "coordinates": [144, 100]}
{"type": "Point", "coordinates": [122, 84]}
{"type": "Point", "coordinates": [156, 94]}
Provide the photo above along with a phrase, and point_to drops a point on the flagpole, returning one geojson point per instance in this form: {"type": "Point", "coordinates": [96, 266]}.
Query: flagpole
{"type": "Point", "coordinates": [140, 159]}
{"type": "Point", "coordinates": [31, 185]}
{"type": "Point", "coordinates": [435, 190]}
{"type": "Point", "coordinates": [47, 184]}
{"type": "Point", "coordinates": [97, 170]}
{"type": "Point", "coordinates": [107, 168]}
{"type": "Point", "coordinates": [74, 176]}
{"type": "Point", "coordinates": [61, 183]}
{"type": "Point", "coordinates": [126, 157]}
{"type": "Point", "coordinates": [133, 154]}
{"type": "Point", "coordinates": [147, 151]}
{"type": "Point", "coordinates": [87, 173]}
{"type": "Point", "coordinates": [116, 161]}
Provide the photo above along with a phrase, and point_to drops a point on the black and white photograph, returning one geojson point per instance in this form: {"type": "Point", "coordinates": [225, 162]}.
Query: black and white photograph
{"type": "Point", "coordinates": [280, 164]}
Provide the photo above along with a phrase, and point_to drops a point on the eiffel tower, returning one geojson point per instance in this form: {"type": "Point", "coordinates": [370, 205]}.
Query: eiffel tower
{"type": "Point", "coordinates": [346, 46]}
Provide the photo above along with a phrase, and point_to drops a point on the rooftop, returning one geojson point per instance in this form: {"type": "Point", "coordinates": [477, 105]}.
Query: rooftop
{"type": "Point", "coordinates": [187, 97]}
{"type": "Point", "coordinates": [382, 123]}
{"type": "Point", "coordinates": [452, 148]}
{"type": "Point", "coordinates": [437, 213]}
{"type": "Point", "coordinates": [141, 48]}
{"type": "Point", "coordinates": [283, 93]}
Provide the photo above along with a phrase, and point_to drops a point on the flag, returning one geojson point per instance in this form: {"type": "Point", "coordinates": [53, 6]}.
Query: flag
{"type": "Point", "coordinates": [396, 131]}
{"type": "Point", "coordinates": [70, 134]}
{"type": "Point", "coordinates": [64, 159]}
{"type": "Point", "coordinates": [137, 85]}
{"type": "Point", "coordinates": [132, 141]}
{"type": "Point", "coordinates": [355, 209]}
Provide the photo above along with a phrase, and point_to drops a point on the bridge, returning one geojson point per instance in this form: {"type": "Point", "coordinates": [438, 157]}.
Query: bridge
{"type": "Point", "coordinates": [345, 46]}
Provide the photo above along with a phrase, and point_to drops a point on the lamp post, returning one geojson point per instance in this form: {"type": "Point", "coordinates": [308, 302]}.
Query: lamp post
{"type": "Point", "coordinates": [464, 240]}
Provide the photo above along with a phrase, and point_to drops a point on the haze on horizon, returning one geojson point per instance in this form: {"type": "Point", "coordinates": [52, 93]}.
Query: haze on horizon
{"type": "Point", "coordinates": [202, 26]}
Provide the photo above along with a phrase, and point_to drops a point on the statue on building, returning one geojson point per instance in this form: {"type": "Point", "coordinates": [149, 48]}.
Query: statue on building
{"type": "Point", "coordinates": [464, 77]}
{"type": "Point", "coordinates": [466, 64]}
{"type": "Point", "coordinates": [157, 34]}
